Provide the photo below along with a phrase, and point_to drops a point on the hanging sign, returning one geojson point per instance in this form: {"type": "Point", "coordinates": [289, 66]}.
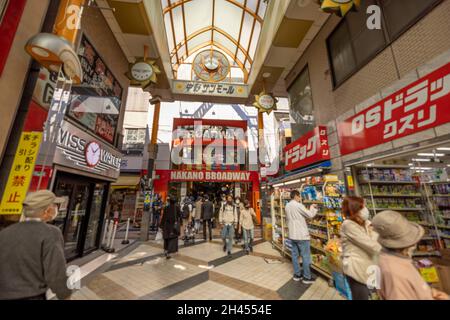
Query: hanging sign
{"type": "Point", "coordinates": [265, 102]}
{"type": "Point", "coordinates": [203, 176]}
{"type": "Point", "coordinates": [21, 173]}
{"type": "Point", "coordinates": [200, 88]}
{"type": "Point", "coordinates": [143, 72]}
{"type": "Point", "coordinates": [309, 149]}
{"type": "Point", "coordinates": [421, 105]}
{"type": "Point", "coordinates": [339, 7]}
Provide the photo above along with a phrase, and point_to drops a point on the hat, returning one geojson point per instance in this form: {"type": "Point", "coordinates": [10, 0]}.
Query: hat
{"type": "Point", "coordinates": [41, 199]}
{"type": "Point", "coordinates": [395, 231]}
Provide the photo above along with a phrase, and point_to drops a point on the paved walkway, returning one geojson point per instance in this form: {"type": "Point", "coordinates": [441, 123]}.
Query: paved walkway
{"type": "Point", "coordinates": [198, 272]}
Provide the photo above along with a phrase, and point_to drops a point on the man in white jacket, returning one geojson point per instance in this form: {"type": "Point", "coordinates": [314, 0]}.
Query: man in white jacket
{"type": "Point", "coordinates": [296, 215]}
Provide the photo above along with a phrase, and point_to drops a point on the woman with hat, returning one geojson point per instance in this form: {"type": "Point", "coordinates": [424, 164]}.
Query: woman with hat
{"type": "Point", "coordinates": [360, 247]}
{"type": "Point", "coordinates": [400, 280]}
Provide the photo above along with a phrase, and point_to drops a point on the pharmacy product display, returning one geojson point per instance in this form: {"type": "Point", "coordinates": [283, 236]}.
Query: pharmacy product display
{"type": "Point", "coordinates": [325, 191]}
{"type": "Point", "coordinates": [399, 188]}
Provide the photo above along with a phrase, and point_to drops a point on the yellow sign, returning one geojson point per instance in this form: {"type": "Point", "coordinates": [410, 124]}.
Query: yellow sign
{"type": "Point", "coordinates": [429, 274]}
{"type": "Point", "coordinates": [21, 173]}
{"type": "Point", "coordinates": [350, 182]}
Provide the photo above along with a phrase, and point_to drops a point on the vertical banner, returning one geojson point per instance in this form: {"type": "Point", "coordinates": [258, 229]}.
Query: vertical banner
{"type": "Point", "coordinates": [21, 173]}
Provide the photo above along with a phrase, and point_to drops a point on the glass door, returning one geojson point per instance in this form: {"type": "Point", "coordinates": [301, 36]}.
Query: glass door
{"type": "Point", "coordinates": [95, 216]}
{"type": "Point", "coordinates": [76, 215]}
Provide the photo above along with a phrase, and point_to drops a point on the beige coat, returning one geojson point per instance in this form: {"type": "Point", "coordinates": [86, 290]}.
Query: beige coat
{"type": "Point", "coordinates": [360, 250]}
{"type": "Point", "coordinates": [400, 280]}
{"type": "Point", "coordinates": [228, 215]}
{"type": "Point", "coordinates": [246, 218]}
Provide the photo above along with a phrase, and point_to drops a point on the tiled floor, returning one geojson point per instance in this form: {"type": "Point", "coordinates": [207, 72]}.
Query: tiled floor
{"type": "Point", "coordinates": [201, 271]}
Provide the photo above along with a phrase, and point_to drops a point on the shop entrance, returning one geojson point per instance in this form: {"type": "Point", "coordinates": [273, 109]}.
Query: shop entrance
{"type": "Point", "coordinates": [81, 214]}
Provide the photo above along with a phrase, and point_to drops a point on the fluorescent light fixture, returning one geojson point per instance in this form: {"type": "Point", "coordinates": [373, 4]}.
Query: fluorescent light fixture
{"type": "Point", "coordinates": [421, 168]}
{"type": "Point", "coordinates": [291, 182]}
{"type": "Point", "coordinates": [421, 160]}
{"type": "Point", "coordinates": [443, 149]}
{"type": "Point", "coordinates": [277, 185]}
{"type": "Point", "coordinates": [431, 154]}
{"type": "Point", "coordinates": [410, 164]}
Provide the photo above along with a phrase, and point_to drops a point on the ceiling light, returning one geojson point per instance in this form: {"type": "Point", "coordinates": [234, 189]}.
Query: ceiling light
{"type": "Point", "coordinates": [421, 168]}
{"type": "Point", "coordinates": [421, 160]}
{"type": "Point", "coordinates": [277, 185]}
{"type": "Point", "coordinates": [431, 154]}
{"type": "Point", "coordinates": [443, 149]}
{"type": "Point", "coordinates": [291, 182]}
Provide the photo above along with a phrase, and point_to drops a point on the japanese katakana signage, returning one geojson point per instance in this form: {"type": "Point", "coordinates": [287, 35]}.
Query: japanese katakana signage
{"type": "Point", "coordinates": [200, 88]}
{"type": "Point", "coordinates": [309, 149]}
{"type": "Point", "coordinates": [421, 105]}
{"type": "Point", "coordinates": [21, 173]}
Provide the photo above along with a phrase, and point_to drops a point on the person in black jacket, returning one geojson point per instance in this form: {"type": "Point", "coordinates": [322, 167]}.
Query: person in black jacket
{"type": "Point", "coordinates": [170, 224]}
{"type": "Point", "coordinates": [207, 216]}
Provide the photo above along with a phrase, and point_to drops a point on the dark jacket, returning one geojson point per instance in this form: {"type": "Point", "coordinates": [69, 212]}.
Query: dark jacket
{"type": "Point", "coordinates": [207, 210]}
{"type": "Point", "coordinates": [172, 215]}
{"type": "Point", "coordinates": [32, 261]}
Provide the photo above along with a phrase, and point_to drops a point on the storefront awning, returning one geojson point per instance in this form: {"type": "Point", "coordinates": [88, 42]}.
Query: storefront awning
{"type": "Point", "coordinates": [126, 182]}
{"type": "Point", "coordinates": [298, 174]}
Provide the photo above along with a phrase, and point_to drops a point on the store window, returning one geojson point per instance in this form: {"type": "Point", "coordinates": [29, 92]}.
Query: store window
{"type": "Point", "coordinates": [97, 101]}
{"type": "Point", "coordinates": [352, 45]}
{"type": "Point", "coordinates": [301, 105]}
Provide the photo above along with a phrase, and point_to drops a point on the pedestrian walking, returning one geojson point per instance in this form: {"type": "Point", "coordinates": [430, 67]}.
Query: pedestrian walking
{"type": "Point", "coordinates": [198, 214]}
{"type": "Point", "coordinates": [296, 215]}
{"type": "Point", "coordinates": [360, 248]}
{"type": "Point", "coordinates": [400, 280]}
{"type": "Point", "coordinates": [32, 252]}
{"type": "Point", "coordinates": [238, 232]}
{"type": "Point", "coordinates": [170, 224]}
{"type": "Point", "coordinates": [207, 214]}
{"type": "Point", "coordinates": [228, 220]}
{"type": "Point", "coordinates": [248, 228]}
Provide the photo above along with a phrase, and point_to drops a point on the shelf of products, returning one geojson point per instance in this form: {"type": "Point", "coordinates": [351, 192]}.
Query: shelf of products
{"type": "Point", "coordinates": [400, 189]}
{"type": "Point", "coordinates": [327, 193]}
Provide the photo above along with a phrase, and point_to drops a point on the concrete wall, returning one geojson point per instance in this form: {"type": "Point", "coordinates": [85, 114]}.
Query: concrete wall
{"type": "Point", "coordinates": [14, 75]}
{"type": "Point", "coordinates": [423, 48]}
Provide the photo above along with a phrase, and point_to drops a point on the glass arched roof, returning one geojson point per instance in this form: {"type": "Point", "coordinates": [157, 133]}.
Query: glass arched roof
{"type": "Point", "coordinates": [230, 26]}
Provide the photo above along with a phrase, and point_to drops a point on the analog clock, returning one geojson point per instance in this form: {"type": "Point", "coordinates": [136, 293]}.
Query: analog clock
{"type": "Point", "coordinates": [92, 154]}
{"type": "Point", "coordinates": [142, 71]}
{"type": "Point", "coordinates": [211, 66]}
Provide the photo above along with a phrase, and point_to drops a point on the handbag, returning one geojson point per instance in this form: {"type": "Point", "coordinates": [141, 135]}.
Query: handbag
{"type": "Point", "coordinates": [159, 236]}
{"type": "Point", "coordinates": [176, 228]}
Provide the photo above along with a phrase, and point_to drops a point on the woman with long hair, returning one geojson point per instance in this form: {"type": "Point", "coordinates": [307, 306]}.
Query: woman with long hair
{"type": "Point", "coordinates": [170, 224]}
{"type": "Point", "coordinates": [360, 247]}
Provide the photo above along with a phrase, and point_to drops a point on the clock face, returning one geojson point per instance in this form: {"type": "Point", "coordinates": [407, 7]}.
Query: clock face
{"type": "Point", "coordinates": [142, 71]}
{"type": "Point", "coordinates": [92, 154]}
{"type": "Point", "coordinates": [266, 101]}
{"type": "Point", "coordinates": [211, 66]}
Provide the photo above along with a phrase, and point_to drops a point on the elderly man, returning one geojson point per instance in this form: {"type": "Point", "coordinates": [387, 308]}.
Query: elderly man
{"type": "Point", "coordinates": [32, 252]}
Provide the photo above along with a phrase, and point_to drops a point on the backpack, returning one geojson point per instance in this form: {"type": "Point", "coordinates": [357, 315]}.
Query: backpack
{"type": "Point", "coordinates": [185, 213]}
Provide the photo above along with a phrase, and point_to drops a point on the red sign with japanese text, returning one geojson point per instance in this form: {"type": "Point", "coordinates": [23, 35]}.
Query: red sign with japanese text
{"type": "Point", "coordinates": [311, 148]}
{"type": "Point", "coordinates": [422, 105]}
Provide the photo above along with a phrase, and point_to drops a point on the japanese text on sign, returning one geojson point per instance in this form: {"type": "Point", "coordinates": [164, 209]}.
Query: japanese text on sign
{"type": "Point", "coordinates": [420, 106]}
{"type": "Point", "coordinates": [21, 173]}
{"type": "Point", "coordinates": [309, 149]}
{"type": "Point", "coordinates": [210, 89]}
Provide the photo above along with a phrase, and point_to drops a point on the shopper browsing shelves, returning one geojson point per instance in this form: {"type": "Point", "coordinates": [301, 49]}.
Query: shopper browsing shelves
{"type": "Point", "coordinates": [400, 280]}
{"type": "Point", "coordinates": [296, 215]}
{"type": "Point", "coordinates": [360, 247]}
